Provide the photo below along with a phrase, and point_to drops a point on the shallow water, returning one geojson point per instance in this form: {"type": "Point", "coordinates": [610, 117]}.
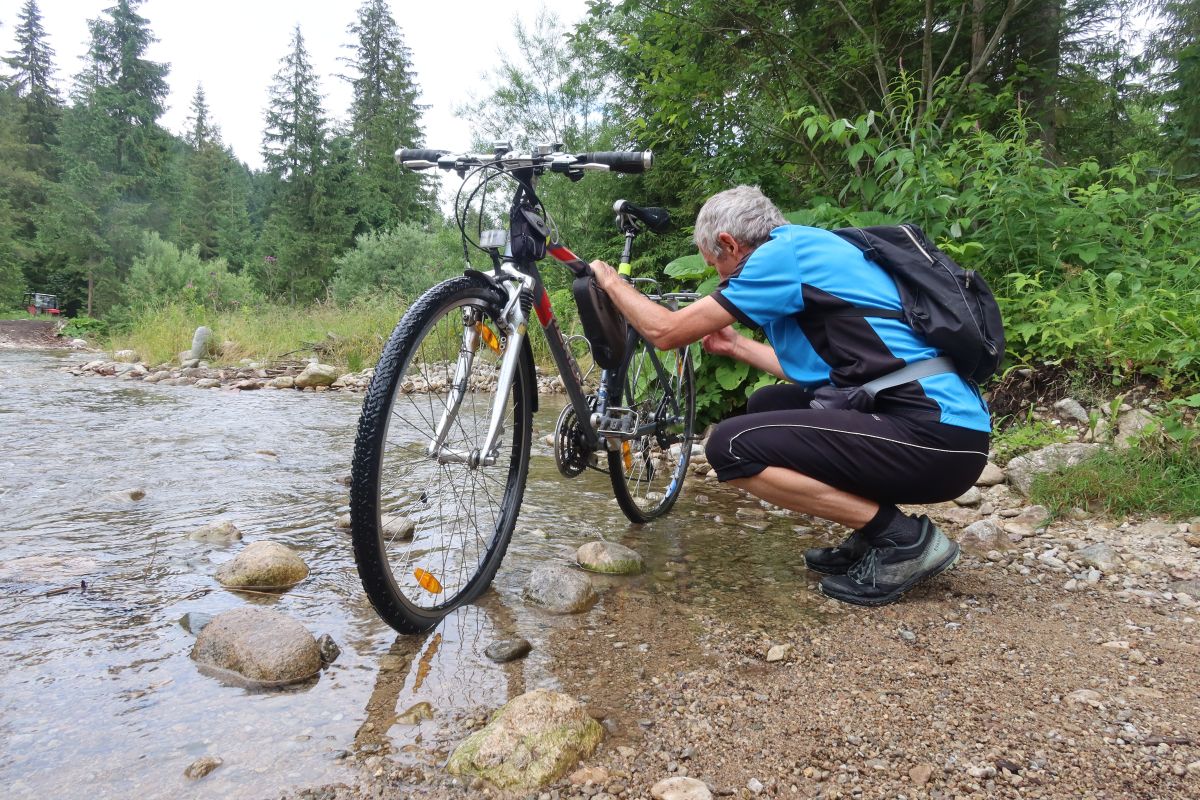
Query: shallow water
{"type": "Point", "coordinates": [98, 697]}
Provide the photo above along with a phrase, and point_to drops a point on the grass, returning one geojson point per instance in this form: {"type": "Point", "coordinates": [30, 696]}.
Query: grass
{"type": "Point", "coordinates": [1152, 478]}
{"type": "Point", "coordinates": [350, 337]}
{"type": "Point", "coordinates": [1017, 439]}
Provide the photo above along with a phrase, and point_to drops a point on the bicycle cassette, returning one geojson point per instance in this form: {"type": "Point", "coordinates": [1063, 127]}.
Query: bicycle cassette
{"type": "Point", "coordinates": [571, 452]}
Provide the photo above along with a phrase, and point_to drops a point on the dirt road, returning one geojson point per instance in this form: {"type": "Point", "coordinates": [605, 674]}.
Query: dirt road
{"type": "Point", "coordinates": [27, 333]}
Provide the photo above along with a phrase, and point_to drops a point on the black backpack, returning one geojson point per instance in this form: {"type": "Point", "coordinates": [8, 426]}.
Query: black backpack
{"type": "Point", "coordinates": [951, 308]}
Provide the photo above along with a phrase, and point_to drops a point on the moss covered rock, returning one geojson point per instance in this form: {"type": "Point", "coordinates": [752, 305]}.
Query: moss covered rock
{"type": "Point", "coordinates": [533, 740]}
{"type": "Point", "coordinates": [609, 557]}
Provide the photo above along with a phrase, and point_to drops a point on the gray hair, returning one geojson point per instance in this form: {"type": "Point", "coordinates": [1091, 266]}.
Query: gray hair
{"type": "Point", "coordinates": [744, 212]}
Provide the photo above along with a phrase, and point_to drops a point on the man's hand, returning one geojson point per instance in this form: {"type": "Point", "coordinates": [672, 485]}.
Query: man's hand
{"type": "Point", "coordinates": [723, 342]}
{"type": "Point", "coordinates": [605, 274]}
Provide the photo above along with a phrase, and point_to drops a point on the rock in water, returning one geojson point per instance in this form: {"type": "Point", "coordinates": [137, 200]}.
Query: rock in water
{"type": "Point", "coordinates": [316, 375]}
{"type": "Point", "coordinates": [195, 621]}
{"type": "Point", "coordinates": [414, 714]}
{"type": "Point", "coordinates": [329, 648]}
{"type": "Point", "coordinates": [559, 589]}
{"type": "Point", "coordinates": [263, 565]}
{"type": "Point", "coordinates": [258, 645]}
{"type": "Point", "coordinates": [221, 532]}
{"type": "Point", "coordinates": [533, 740]}
{"type": "Point", "coordinates": [609, 557]}
{"type": "Point", "coordinates": [201, 767]}
{"type": "Point", "coordinates": [508, 650]}
{"type": "Point", "coordinates": [680, 788]}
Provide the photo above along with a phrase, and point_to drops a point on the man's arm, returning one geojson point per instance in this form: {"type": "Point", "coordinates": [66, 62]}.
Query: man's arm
{"type": "Point", "coordinates": [728, 342]}
{"type": "Point", "coordinates": [663, 328]}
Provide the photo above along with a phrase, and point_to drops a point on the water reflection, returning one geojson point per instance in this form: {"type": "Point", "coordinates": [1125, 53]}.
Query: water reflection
{"type": "Point", "coordinates": [98, 696]}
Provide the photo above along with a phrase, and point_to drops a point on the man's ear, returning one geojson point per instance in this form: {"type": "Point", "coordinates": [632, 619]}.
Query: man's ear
{"type": "Point", "coordinates": [726, 242]}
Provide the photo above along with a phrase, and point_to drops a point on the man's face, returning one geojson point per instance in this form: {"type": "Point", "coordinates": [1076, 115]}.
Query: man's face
{"type": "Point", "coordinates": [730, 254]}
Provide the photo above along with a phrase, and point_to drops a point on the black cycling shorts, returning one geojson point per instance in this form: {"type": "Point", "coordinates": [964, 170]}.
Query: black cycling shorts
{"type": "Point", "coordinates": [883, 457]}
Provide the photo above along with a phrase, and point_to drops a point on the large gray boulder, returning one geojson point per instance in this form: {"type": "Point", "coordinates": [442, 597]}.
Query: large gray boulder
{"type": "Point", "coordinates": [609, 557]}
{"type": "Point", "coordinates": [200, 342]}
{"type": "Point", "coordinates": [263, 565]}
{"type": "Point", "coordinates": [559, 589]}
{"type": "Point", "coordinates": [257, 645]}
{"type": "Point", "coordinates": [1023, 469]}
{"type": "Point", "coordinates": [533, 740]}
{"type": "Point", "coordinates": [316, 375]}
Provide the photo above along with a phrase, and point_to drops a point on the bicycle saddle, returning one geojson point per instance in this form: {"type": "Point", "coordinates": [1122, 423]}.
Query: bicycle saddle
{"type": "Point", "coordinates": [656, 220]}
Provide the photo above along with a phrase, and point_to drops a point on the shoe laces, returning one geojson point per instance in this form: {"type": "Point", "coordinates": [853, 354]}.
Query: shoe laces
{"type": "Point", "coordinates": [864, 570]}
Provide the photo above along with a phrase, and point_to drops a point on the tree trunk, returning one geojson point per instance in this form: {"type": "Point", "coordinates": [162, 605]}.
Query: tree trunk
{"type": "Point", "coordinates": [91, 287]}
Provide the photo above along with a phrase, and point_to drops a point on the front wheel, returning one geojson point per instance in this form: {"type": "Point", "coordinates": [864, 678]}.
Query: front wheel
{"type": "Point", "coordinates": [431, 520]}
{"type": "Point", "coordinates": [648, 467]}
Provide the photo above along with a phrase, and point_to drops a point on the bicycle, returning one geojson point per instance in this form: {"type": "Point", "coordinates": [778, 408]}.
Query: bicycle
{"type": "Point", "coordinates": [443, 444]}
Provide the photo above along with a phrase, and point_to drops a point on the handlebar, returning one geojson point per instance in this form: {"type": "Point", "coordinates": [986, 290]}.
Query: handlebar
{"type": "Point", "coordinates": [628, 161]}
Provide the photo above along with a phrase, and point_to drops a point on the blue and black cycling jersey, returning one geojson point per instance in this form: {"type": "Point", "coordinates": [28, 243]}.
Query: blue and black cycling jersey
{"type": "Point", "coordinates": [799, 273]}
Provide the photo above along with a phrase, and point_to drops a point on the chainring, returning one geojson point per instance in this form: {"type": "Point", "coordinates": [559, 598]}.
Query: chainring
{"type": "Point", "coordinates": [570, 449]}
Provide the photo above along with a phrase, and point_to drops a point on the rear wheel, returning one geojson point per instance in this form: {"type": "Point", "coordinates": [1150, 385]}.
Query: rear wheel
{"type": "Point", "coordinates": [430, 530]}
{"type": "Point", "coordinates": [648, 469]}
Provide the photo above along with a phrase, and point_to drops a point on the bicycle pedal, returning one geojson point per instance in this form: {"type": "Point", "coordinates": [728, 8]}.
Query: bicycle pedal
{"type": "Point", "coordinates": [618, 422]}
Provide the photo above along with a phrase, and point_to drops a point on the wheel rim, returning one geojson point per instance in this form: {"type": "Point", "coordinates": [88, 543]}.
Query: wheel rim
{"type": "Point", "coordinates": [654, 464]}
{"type": "Point", "coordinates": [456, 513]}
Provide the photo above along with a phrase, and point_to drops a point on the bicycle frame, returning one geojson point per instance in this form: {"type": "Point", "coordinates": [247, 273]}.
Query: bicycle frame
{"type": "Point", "coordinates": [521, 281]}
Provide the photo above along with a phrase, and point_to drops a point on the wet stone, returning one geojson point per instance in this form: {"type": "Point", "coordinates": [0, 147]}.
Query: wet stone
{"type": "Point", "coordinates": [415, 714]}
{"type": "Point", "coordinates": [201, 767]}
{"type": "Point", "coordinates": [329, 648]}
{"type": "Point", "coordinates": [508, 650]}
{"type": "Point", "coordinates": [194, 621]}
{"type": "Point", "coordinates": [260, 646]}
{"type": "Point", "coordinates": [263, 565]}
{"type": "Point", "coordinates": [609, 557]}
{"type": "Point", "coordinates": [559, 589]}
{"type": "Point", "coordinates": [219, 532]}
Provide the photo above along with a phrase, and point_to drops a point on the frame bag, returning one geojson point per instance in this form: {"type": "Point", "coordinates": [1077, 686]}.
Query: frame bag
{"type": "Point", "coordinates": [603, 324]}
{"type": "Point", "coordinates": [951, 308]}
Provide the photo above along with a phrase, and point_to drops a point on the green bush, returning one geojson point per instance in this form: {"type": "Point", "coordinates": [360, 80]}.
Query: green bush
{"type": "Point", "coordinates": [162, 274]}
{"type": "Point", "coordinates": [406, 259]}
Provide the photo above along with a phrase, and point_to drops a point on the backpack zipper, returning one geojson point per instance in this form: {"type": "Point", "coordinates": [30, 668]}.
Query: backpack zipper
{"type": "Point", "coordinates": [916, 243]}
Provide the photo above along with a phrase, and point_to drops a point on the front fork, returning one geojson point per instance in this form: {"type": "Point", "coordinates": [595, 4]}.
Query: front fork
{"type": "Point", "coordinates": [514, 319]}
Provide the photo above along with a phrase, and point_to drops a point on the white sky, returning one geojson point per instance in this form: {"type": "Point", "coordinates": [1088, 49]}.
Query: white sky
{"type": "Point", "coordinates": [234, 48]}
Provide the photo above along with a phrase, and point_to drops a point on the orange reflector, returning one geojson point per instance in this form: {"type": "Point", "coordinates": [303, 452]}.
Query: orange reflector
{"type": "Point", "coordinates": [488, 337]}
{"type": "Point", "coordinates": [427, 581]}
{"type": "Point", "coordinates": [627, 455]}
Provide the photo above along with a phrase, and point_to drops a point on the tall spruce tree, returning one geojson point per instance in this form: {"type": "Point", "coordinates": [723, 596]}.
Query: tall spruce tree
{"type": "Point", "coordinates": [32, 112]}
{"type": "Point", "coordinates": [32, 78]}
{"type": "Point", "coordinates": [116, 181]}
{"type": "Point", "coordinates": [214, 216]}
{"type": "Point", "coordinates": [384, 116]}
{"type": "Point", "coordinates": [300, 237]}
{"type": "Point", "coordinates": [1177, 49]}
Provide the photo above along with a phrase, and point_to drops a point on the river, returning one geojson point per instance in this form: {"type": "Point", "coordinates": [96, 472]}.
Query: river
{"type": "Point", "coordinates": [98, 696]}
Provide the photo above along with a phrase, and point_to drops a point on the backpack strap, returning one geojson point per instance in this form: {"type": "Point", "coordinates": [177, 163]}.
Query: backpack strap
{"type": "Point", "coordinates": [907, 374]}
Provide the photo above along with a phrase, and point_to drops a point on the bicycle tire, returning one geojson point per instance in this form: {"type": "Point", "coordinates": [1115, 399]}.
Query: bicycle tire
{"type": "Point", "coordinates": [647, 472]}
{"type": "Point", "coordinates": [462, 517]}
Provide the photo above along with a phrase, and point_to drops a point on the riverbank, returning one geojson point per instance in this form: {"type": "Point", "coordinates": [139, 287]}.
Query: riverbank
{"type": "Point", "coordinates": [1017, 674]}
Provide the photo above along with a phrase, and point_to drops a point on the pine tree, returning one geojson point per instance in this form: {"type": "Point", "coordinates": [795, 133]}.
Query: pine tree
{"type": "Point", "coordinates": [385, 116]}
{"type": "Point", "coordinates": [117, 182]}
{"type": "Point", "coordinates": [1177, 48]}
{"type": "Point", "coordinates": [32, 79]}
{"type": "Point", "coordinates": [296, 261]}
{"type": "Point", "coordinates": [214, 216]}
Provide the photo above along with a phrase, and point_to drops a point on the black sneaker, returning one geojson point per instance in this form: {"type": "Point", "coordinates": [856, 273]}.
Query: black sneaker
{"type": "Point", "coordinates": [887, 572]}
{"type": "Point", "coordinates": [836, 560]}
